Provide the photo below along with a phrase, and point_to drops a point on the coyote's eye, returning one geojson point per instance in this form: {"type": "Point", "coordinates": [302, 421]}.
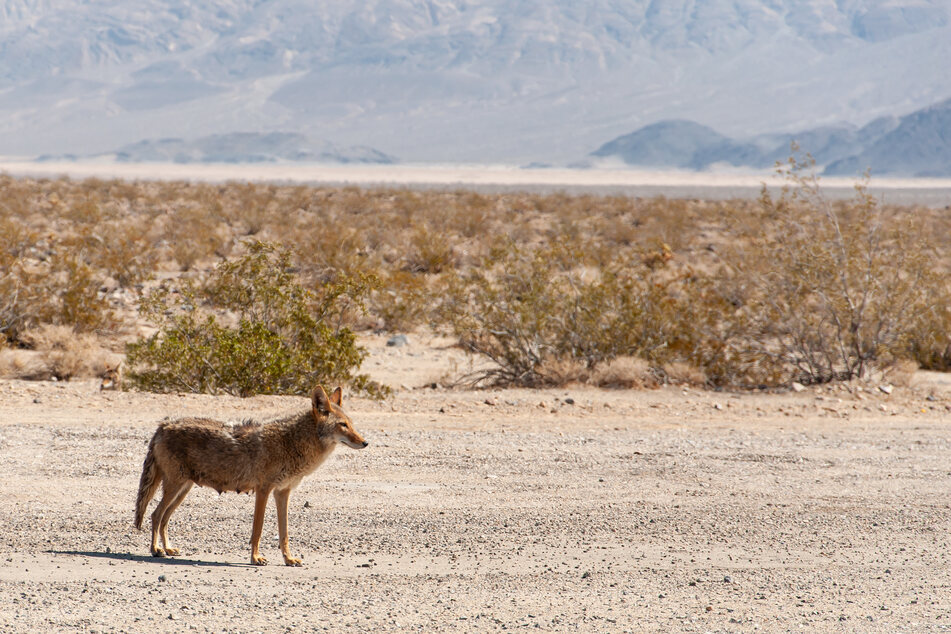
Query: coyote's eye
{"type": "Point", "coordinates": [342, 423]}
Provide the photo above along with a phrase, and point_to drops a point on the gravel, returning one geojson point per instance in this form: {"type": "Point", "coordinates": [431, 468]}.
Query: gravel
{"type": "Point", "coordinates": [630, 511]}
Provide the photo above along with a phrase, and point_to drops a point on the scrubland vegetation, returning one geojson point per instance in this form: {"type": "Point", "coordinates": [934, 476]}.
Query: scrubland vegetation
{"type": "Point", "coordinates": [250, 288]}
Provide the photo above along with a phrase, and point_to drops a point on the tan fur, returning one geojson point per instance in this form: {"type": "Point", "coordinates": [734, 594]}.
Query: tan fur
{"type": "Point", "coordinates": [111, 378]}
{"type": "Point", "coordinates": [264, 458]}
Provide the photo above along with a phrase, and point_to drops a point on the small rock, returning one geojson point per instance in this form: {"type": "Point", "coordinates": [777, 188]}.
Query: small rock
{"type": "Point", "coordinates": [161, 578]}
{"type": "Point", "coordinates": [887, 389]}
{"type": "Point", "coordinates": [586, 575]}
{"type": "Point", "coordinates": [307, 504]}
{"type": "Point", "coordinates": [397, 341]}
{"type": "Point", "coordinates": [489, 401]}
{"type": "Point", "coordinates": [797, 386]}
{"type": "Point", "coordinates": [931, 397]}
{"type": "Point", "coordinates": [727, 579]}
{"type": "Point", "coordinates": [717, 406]}
{"type": "Point", "coordinates": [37, 400]}
{"type": "Point", "coordinates": [570, 401]}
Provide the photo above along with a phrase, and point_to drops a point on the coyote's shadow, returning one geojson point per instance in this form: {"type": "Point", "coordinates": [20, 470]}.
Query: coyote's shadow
{"type": "Point", "coordinates": [163, 561]}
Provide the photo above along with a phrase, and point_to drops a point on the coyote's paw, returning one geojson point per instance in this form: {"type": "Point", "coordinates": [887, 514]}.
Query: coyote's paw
{"type": "Point", "coordinates": [292, 561]}
{"type": "Point", "coordinates": [158, 552]}
{"type": "Point", "coordinates": [171, 552]}
{"type": "Point", "coordinates": [258, 560]}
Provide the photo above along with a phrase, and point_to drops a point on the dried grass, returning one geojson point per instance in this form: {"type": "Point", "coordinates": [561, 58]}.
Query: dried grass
{"type": "Point", "coordinates": [624, 373]}
{"type": "Point", "coordinates": [61, 352]}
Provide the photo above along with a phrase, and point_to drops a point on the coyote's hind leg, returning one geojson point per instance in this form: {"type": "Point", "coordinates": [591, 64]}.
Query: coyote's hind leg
{"type": "Point", "coordinates": [173, 492]}
{"type": "Point", "coordinates": [163, 529]}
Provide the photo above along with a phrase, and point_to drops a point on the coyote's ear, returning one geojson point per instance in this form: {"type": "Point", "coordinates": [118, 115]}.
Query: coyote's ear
{"type": "Point", "coordinates": [336, 396]}
{"type": "Point", "coordinates": [321, 402]}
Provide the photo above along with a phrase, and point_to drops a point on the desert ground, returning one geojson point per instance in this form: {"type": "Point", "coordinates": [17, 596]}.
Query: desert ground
{"type": "Point", "coordinates": [576, 509]}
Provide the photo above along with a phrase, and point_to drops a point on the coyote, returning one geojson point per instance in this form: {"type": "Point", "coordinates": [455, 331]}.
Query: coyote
{"type": "Point", "coordinates": [264, 458]}
{"type": "Point", "coordinates": [111, 378]}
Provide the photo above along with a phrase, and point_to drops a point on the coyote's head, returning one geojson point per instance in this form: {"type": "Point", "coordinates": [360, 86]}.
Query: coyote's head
{"type": "Point", "coordinates": [111, 378]}
{"type": "Point", "coordinates": [327, 408]}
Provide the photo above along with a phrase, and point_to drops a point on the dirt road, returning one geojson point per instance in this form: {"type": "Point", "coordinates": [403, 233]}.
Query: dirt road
{"type": "Point", "coordinates": [566, 510]}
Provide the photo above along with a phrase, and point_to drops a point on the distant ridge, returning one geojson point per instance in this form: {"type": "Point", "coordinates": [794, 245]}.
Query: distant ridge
{"type": "Point", "coordinates": [918, 145]}
{"type": "Point", "coordinates": [244, 147]}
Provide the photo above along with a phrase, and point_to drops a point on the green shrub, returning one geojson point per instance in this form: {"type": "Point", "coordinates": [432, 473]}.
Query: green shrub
{"type": "Point", "coordinates": [251, 329]}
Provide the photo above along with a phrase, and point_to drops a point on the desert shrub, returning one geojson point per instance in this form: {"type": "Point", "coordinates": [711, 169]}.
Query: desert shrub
{"type": "Point", "coordinates": [929, 342]}
{"type": "Point", "coordinates": [836, 289]}
{"type": "Point", "coordinates": [252, 328]}
{"type": "Point", "coordinates": [544, 318]}
{"type": "Point", "coordinates": [62, 290]}
{"type": "Point", "coordinates": [193, 235]}
{"type": "Point", "coordinates": [428, 251]}
{"type": "Point", "coordinates": [121, 251]}
{"type": "Point", "coordinates": [330, 249]}
{"type": "Point", "coordinates": [402, 302]}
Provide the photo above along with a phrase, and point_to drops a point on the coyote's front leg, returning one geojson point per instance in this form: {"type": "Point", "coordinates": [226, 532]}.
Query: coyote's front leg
{"type": "Point", "coordinates": [280, 500]}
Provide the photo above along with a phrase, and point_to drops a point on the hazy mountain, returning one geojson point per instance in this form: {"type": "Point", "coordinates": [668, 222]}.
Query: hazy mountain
{"type": "Point", "coordinates": [918, 144]}
{"type": "Point", "coordinates": [458, 80]}
{"type": "Point", "coordinates": [248, 147]}
{"type": "Point", "coordinates": [679, 144]}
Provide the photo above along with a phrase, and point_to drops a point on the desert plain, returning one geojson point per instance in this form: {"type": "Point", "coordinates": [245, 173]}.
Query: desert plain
{"type": "Point", "coordinates": [572, 509]}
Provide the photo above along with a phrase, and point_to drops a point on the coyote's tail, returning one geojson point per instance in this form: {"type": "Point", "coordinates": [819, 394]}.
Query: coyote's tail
{"type": "Point", "coordinates": [148, 483]}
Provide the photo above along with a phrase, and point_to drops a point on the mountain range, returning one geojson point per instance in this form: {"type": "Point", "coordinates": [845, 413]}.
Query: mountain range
{"type": "Point", "coordinates": [916, 145]}
{"type": "Point", "coordinates": [485, 81]}
{"type": "Point", "coordinates": [239, 147]}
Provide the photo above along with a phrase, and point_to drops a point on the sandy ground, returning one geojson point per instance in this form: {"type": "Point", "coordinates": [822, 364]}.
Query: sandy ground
{"type": "Point", "coordinates": [562, 510]}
